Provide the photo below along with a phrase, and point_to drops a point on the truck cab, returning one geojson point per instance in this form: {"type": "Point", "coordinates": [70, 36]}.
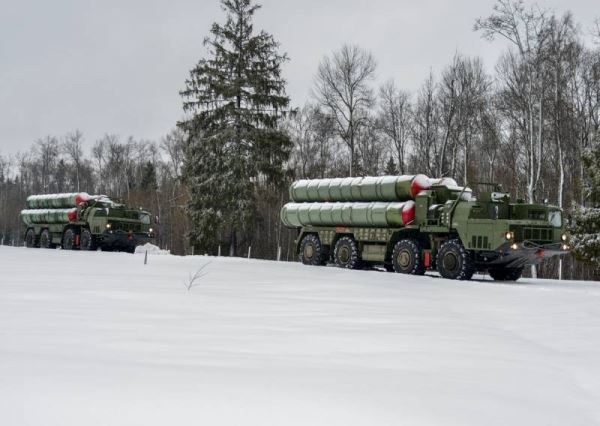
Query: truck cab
{"type": "Point", "coordinates": [115, 226]}
{"type": "Point", "coordinates": [498, 235]}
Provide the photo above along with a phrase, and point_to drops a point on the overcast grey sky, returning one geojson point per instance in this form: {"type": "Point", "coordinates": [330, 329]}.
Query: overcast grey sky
{"type": "Point", "coordinates": [116, 66]}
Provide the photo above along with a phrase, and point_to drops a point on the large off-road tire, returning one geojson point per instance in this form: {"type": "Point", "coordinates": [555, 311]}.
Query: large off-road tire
{"type": "Point", "coordinates": [454, 261]}
{"type": "Point", "coordinates": [86, 241]}
{"type": "Point", "coordinates": [346, 254]}
{"type": "Point", "coordinates": [506, 274]}
{"type": "Point", "coordinates": [68, 240]}
{"type": "Point", "coordinates": [311, 251]}
{"type": "Point", "coordinates": [407, 257]}
{"type": "Point", "coordinates": [30, 239]}
{"type": "Point", "coordinates": [46, 239]}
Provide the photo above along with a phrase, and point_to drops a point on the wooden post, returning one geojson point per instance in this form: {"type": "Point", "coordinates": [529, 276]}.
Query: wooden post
{"type": "Point", "coordinates": [146, 258]}
{"type": "Point", "coordinates": [249, 251]}
{"type": "Point", "coordinates": [560, 268]}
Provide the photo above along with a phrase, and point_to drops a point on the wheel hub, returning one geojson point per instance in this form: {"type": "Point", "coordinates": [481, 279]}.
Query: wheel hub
{"type": "Point", "coordinates": [404, 259]}
{"type": "Point", "coordinates": [344, 254]}
{"type": "Point", "coordinates": [309, 251]}
{"type": "Point", "coordinates": [450, 262]}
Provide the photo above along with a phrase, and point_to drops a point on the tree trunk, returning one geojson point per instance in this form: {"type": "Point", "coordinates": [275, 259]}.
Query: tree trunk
{"type": "Point", "coordinates": [531, 154]}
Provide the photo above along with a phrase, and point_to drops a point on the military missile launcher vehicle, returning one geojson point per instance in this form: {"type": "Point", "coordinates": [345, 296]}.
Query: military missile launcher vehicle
{"type": "Point", "coordinates": [411, 224]}
{"type": "Point", "coordinates": [82, 221]}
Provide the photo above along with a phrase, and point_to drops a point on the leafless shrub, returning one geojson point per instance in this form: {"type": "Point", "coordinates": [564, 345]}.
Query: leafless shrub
{"type": "Point", "coordinates": [194, 278]}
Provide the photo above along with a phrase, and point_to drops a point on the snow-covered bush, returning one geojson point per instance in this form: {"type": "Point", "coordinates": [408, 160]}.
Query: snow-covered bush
{"type": "Point", "coordinates": [585, 224]}
{"type": "Point", "coordinates": [585, 234]}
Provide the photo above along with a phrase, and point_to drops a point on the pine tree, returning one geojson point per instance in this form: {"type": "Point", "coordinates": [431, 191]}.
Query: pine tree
{"type": "Point", "coordinates": [585, 223]}
{"type": "Point", "coordinates": [235, 98]}
{"type": "Point", "coordinates": [148, 180]}
{"type": "Point", "coordinates": [390, 167]}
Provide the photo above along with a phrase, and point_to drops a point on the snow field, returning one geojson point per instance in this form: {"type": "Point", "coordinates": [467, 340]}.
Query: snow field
{"type": "Point", "coordinates": [102, 339]}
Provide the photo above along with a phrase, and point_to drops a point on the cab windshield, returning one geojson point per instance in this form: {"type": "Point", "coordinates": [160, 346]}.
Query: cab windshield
{"type": "Point", "coordinates": [145, 218]}
{"type": "Point", "coordinates": [555, 219]}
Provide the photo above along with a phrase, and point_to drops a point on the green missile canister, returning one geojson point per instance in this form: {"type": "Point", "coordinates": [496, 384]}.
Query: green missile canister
{"type": "Point", "coordinates": [57, 201]}
{"type": "Point", "coordinates": [48, 216]}
{"type": "Point", "coordinates": [394, 214]}
{"type": "Point", "coordinates": [382, 188]}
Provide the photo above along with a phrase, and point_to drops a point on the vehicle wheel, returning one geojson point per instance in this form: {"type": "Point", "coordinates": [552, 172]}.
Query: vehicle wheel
{"type": "Point", "coordinates": [454, 261]}
{"type": "Point", "coordinates": [346, 253]}
{"type": "Point", "coordinates": [30, 240]}
{"type": "Point", "coordinates": [311, 251]}
{"type": "Point", "coordinates": [86, 241]}
{"type": "Point", "coordinates": [45, 239]}
{"type": "Point", "coordinates": [506, 274]}
{"type": "Point", "coordinates": [407, 258]}
{"type": "Point", "coordinates": [68, 241]}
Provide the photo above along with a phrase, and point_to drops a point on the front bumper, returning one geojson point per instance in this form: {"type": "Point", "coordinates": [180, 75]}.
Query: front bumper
{"type": "Point", "coordinates": [514, 255]}
{"type": "Point", "coordinates": [125, 240]}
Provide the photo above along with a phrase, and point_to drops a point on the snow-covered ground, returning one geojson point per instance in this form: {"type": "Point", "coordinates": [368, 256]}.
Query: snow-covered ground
{"type": "Point", "coordinates": [102, 339]}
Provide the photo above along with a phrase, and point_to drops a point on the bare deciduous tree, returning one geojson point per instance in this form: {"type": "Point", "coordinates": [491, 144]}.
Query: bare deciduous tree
{"type": "Point", "coordinates": [47, 150]}
{"type": "Point", "coordinates": [526, 30]}
{"type": "Point", "coordinates": [173, 144]}
{"type": "Point", "coordinates": [425, 130]}
{"type": "Point", "coordinates": [312, 133]}
{"type": "Point", "coordinates": [73, 147]}
{"type": "Point", "coordinates": [395, 119]}
{"type": "Point", "coordinates": [342, 86]}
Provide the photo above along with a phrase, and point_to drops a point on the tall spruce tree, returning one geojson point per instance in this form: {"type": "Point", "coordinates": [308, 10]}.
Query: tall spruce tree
{"type": "Point", "coordinates": [234, 99]}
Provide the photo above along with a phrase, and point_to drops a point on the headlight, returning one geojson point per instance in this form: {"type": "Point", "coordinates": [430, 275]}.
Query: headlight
{"type": "Point", "coordinates": [514, 246]}
{"type": "Point", "coordinates": [565, 247]}
{"type": "Point", "coordinates": [563, 237]}
{"type": "Point", "coordinates": [509, 235]}
{"type": "Point", "coordinates": [108, 226]}
{"type": "Point", "coordinates": [150, 230]}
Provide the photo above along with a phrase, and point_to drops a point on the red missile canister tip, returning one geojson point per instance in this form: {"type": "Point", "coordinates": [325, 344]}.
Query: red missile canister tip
{"type": "Point", "coordinates": [72, 215]}
{"type": "Point", "coordinates": [82, 197]}
{"type": "Point", "coordinates": [419, 183]}
{"type": "Point", "coordinates": [408, 212]}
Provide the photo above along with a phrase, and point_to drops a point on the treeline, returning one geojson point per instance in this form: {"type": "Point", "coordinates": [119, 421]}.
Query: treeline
{"type": "Point", "coordinates": [218, 182]}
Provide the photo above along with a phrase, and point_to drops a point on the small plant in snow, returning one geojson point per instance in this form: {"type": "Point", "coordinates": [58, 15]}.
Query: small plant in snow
{"type": "Point", "coordinates": [193, 279]}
